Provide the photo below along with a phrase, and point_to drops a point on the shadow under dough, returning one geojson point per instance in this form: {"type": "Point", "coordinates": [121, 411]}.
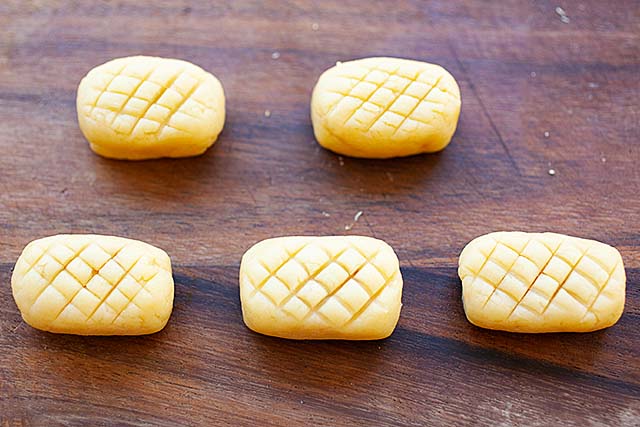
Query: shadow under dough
{"type": "Point", "coordinates": [334, 363]}
{"type": "Point", "coordinates": [401, 175]}
{"type": "Point", "coordinates": [162, 179]}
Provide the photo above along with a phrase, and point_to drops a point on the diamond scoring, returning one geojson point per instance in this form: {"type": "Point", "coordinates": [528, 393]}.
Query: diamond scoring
{"type": "Point", "coordinates": [50, 280]}
{"type": "Point", "coordinates": [139, 94]}
{"type": "Point", "coordinates": [332, 308]}
{"type": "Point", "coordinates": [574, 269]}
{"type": "Point", "coordinates": [412, 87]}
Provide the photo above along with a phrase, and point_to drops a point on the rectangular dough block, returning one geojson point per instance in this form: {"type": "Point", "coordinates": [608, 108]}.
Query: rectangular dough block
{"type": "Point", "coordinates": [541, 282]}
{"type": "Point", "coordinates": [385, 107]}
{"type": "Point", "coordinates": [143, 107]}
{"type": "Point", "coordinates": [93, 285]}
{"type": "Point", "coordinates": [333, 287]}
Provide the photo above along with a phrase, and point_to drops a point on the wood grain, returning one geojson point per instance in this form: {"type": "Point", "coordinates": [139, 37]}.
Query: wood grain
{"type": "Point", "coordinates": [522, 73]}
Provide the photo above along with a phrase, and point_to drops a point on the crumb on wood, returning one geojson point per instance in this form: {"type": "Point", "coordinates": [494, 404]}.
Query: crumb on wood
{"type": "Point", "coordinates": [356, 217]}
{"type": "Point", "coordinates": [267, 113]}
{"type": "Point", "coordinates": [533, 74]}
{"type": "Point", "coordinates": [552, 172]}
{"type": "Point", "coordinates": [326, 214]}
{"type": "Point", "coordinates": [341, 160]}
{"type": "Point", "coordinates": [315, 26]}
{"type": "Point", "coordinates": [275, 55]}
{"type": "Point", "coordinates": [546, 134]}
{"type": "Point", "coordinates": [562, 14]}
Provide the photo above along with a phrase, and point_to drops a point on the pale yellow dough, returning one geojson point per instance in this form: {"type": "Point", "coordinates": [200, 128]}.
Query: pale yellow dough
{"type": "Point", "coordinates": [541, 282]}
{"type": "Point", "coordinates": [143, 107]}
{"type": "Point", "coordinates": [93, 285]}
{"type": "Point", "coordinates": [334, 287]}
{"type": "Point", "coordinates": [385, 107]}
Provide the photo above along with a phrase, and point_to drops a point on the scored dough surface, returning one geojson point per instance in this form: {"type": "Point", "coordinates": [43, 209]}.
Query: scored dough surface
{"type": "Point", "coordinates": [334, 287]}
{"type": "Point", "coordinates": [147, 107]}
{"type": "Point", "coordinates": [385, 107]}
{"type": "Point", "coordinates": [93, 285]}
{"type": "Point", "coordinates": [541, 282]}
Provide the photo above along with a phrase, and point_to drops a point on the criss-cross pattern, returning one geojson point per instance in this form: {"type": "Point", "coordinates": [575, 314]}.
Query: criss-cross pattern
{"type": "Point", "coordinates": [141, 97]}
{"type": "Point", "coordinates": [338, 286]}
{"type": "Point", "coordinates": [535, 274]}
{"type": "Point", "coordinates": [393, 96]}
{"type": "Point", "coordinates": [85, 276]}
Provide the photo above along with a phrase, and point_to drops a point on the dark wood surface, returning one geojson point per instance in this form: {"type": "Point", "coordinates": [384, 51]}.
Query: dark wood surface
{"type": "Point", "coordinates": [522, 72]}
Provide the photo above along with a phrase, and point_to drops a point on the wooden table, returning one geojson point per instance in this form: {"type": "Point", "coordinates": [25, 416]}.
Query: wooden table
{"type": "Point", "coordinates": [538, 94]}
